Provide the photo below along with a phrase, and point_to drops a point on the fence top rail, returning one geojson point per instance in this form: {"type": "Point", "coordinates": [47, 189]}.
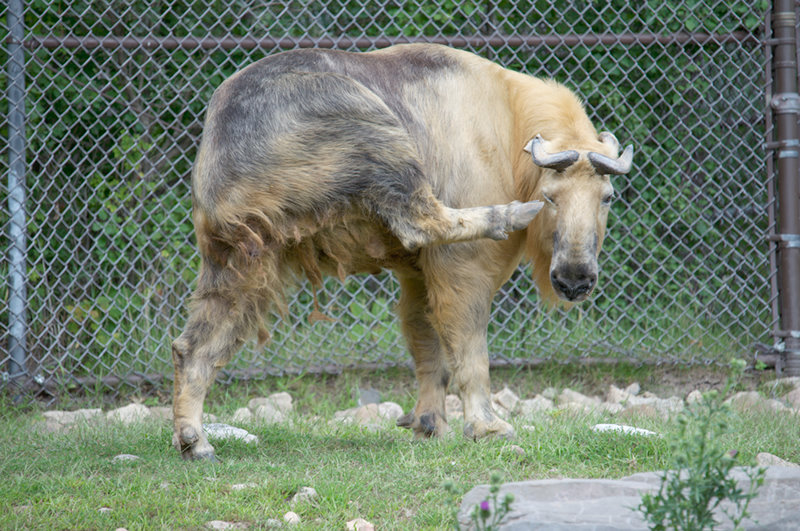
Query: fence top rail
{"type": "Point", "coordinates": [248, 43]}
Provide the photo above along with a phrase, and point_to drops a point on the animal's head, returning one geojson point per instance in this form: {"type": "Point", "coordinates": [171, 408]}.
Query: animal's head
{"type": "Point", "coordinates": [577, 191]}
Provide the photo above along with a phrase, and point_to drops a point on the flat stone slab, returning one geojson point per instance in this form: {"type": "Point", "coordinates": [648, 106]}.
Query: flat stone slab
{"type": "Point", "coordinates": [610, 505]}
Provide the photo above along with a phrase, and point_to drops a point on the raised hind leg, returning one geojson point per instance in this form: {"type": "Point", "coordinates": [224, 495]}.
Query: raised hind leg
{"type": "Point", "coordinates": [218, 325]}
{"type": "Point", "coordinates": [428, 416]}
{"type": "Point", "coordinates": [425, 221]}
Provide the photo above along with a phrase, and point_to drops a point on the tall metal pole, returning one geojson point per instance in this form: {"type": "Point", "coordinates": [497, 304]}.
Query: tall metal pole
{"type": "Point", "coordinates": [786, 110]}
{"type": "Point", "coordinates": [17, 252]}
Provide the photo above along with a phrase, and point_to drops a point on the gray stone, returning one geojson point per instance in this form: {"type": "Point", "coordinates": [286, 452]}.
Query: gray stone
{"type": "Point", "coordinates": [633, 389]}
{"type": "Point", "coordinates": [793, 398]}
{"type": "Point", "coordinates": [390, 411]}
{"type": "Point", "coordinates": [749, 402]}
{"type": "Point", "coordinates": [56, 421]}
{"type": "Point", "coordinates": [767, 459]}
{"type": "Point", "coordinates": [291, 518]}
{"type": "Point", "coordinates": [368, 396]}
{"type": "Point", "coordinates": [616, 395]}
{"type": "Point", "coordinates": [305, 494]}
{"type": "Point", "coordinates": [243, 486]}
{"type": "Point", "coordinates": [568, 396]}
{"type": "Point", "coordinates": [550, 393]}
{"type": "Point", "coordinates": [534, 406]}
{"type": "Point", "coordinates": [225, 431]}
{"type": "Point", "coordinates": [220, 524]}
{"type": "Point", "coordinates": [505, 401]}
{"type": "Point", "coordinates": [606, 505]}
{"type": "Point", "coordinates": [130, 414]}
{"type": "Point", "coordinates": [621, 428]}
{"type": "Point", "coordinates": [269, 413]}
{"type": "Point", "coordinates": [694, 397]}
{"type": "Point", "coordinates": [241, 415]}
{"type": "Point", "coordinates": [359, 524]}
{"type": "Point", "coordinates": [281, 401]}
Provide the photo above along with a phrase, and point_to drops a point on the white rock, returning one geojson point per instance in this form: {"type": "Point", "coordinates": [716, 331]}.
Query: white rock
{"type": "Point", "coordinates": [616, 395]}
{"type": "Point", "coordinates": [224, 431]}
{"type": "Point", "coordinates": [124, 457]}
{"type": "Point", "coordinates": [243, 486]}
{"type": "Point", "coordinates": [633, 389]}
{"type": "Point", "coordinates": [694, 397]}
{"type": "Point", "coordinates": [390, 411]}
{"type": "Point", "coordinates": [242, 415]}
{"type": "Point", "coordinates": [291, 518]}
{"type": "Point", "coordinates": [269, 413]}
{"type": "Point", "coordinates": [550, 393]}
{"type": "Point", "coordinates": [219, 524]}
{"type": "Point", "coordinates": [629, 430]}
{"type": "Point", "coordinates": [505, 399]}
{"type": "Point", "coordinates": [72, 417]}
{"type": "Point", "coordinates": [359, 524]}
{"type": "Point", "coordinates": [281, 401]}
{"type": "Point", "coordinates": [534, 406]}
{"type": "Point", "coordinates": [104, 510]}
{"type": "Point", "coordinates": [767, 459]}
{"type": "Point", "coordinates": [568, 396]}
{"type": "Point", "coordinates": [129, 414]}
{"type": "Point", "coordinates": [749, 401]}
{"type": "Point", "coordinates": [305, 494]}
{"type": "Point", "coordinates": [793, 397]}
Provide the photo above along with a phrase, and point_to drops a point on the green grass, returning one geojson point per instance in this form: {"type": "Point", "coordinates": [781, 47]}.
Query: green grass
{"type": "Point", "coordinates": [60, 481]}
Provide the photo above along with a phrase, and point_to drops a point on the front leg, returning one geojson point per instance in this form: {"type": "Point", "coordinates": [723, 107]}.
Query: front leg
{"type": "Point", "coordinates": [460, 295]}
{"type": "Point", "coordinates": [427, 419]}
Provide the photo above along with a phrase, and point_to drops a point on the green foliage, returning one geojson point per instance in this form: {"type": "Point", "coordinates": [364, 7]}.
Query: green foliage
{"type": "Point", "coordinates": [112, 134]}
{"type": "Point", "coordinates": [700, 479]}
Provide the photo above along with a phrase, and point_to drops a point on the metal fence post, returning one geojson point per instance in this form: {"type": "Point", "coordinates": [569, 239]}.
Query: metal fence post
{"type": "Point", "coordinates": [786, 109]}
{"type": "Point", "coordinates": [17, 252]}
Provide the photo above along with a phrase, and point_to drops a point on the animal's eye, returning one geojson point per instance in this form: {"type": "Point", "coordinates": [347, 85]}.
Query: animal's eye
{"type": "Point", "coordinates": [548, 199]}
{"type": "Point", "coordinates": [607, 199]}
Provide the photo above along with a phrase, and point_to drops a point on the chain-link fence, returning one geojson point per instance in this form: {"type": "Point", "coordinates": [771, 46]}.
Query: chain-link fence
{"type": "Point", "coordinates": [114, 94]}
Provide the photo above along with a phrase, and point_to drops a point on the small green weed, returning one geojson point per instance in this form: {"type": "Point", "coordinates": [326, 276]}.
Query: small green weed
{"type": "Point", "coordinates": [487, 514]}
{"type": "Point", "coordinates": [700, 481]}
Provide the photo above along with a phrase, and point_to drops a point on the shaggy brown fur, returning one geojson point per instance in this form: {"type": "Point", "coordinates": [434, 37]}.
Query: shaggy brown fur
{"type": "Point", "coordinates": [318, 162]}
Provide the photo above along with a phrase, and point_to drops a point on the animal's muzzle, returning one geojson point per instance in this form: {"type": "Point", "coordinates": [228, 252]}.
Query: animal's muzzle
{"type": "Point", "coordinates": [573, 283]}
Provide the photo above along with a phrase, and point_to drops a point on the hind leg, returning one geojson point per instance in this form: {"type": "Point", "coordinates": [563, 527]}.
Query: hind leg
{"type": "Point", "coordinates": [425, 221]}
{"type": "Point", "coordinates": [215, 331]}
{"type": "Point", "coordinates": [428, 416]}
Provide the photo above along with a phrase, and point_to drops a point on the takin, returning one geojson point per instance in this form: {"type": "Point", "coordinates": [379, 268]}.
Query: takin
{"type": "Point", "coordinates": [434, 163]}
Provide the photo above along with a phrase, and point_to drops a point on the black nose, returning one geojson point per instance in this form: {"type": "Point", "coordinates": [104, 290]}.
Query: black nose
{"type": "Point", "coordinates": [573, 284]}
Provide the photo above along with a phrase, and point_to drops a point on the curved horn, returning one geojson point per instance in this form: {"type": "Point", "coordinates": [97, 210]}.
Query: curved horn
{"type": "Point", "coordinates": [555, 161]}
{"type": "Point", "coordinates": [606, 165]}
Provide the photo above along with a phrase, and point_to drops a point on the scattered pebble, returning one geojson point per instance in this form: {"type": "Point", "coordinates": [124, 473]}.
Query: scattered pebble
{"type": "Point", "coordinates": [305, 494]}
{"type": "Point", "coordinates": [359, 524]}
{"type": "Point", "coordinates": [124, 457]}
{"type": "Point", "coordinates": [104, 510]}
{"type": "Point", "coordinates": [221, 524]}
{"type": "Point", "coordinates": [225, 431]}
{"type": "Point", "coordinates": [628, 430]}
{"type": "Point", "coordinates": [291, 518]}
{"type": "Point", "coordinates": [243, 486]}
